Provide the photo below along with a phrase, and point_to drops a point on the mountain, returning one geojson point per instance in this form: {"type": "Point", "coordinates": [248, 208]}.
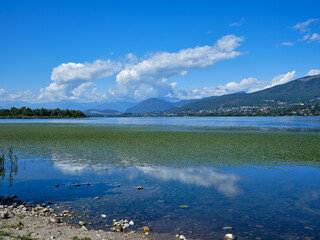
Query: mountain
{"type": "Point", "coordinates": [155, 105]}
{"type": "Point", "coordinates": [183, 102]}
{"type": "Point", "coordinates": [150, 105]}
{"type": "Point", "coordinates": [101, 113]}
{"type": "Point", "coordinates": [301, 91]}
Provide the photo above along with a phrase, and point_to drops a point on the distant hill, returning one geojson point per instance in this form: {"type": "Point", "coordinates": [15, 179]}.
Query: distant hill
{"type": "Point", "coordinates": [150, 105]}
{"type": "Point", "coordinates": [303, 90]}
{"type": "Point", "coordinates": [183, 102]}
{"type": "Point", "coordinates": [99, 113]}
{"type": "Point", "coordinates": [155, 105]}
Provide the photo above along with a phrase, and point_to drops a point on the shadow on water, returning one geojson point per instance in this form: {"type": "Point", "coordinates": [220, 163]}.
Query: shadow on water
{"type": "Point", "coordinates": [8, 165]}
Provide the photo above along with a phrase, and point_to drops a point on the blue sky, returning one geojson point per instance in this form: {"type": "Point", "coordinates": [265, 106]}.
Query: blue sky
{"type": "Point", "coordinates": [105, 51]}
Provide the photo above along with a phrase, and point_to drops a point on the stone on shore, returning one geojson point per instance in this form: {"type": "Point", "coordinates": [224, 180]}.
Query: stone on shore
{"type": "Point", "coordinates": [229, 236]}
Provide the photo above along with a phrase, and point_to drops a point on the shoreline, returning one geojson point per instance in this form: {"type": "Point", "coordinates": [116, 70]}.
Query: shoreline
{"type": "Point", "coordinates": [19, 220]}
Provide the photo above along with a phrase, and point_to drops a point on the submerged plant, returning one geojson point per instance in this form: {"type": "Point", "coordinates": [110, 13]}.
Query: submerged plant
{"type": "Point", "coordinates": [8, 163]}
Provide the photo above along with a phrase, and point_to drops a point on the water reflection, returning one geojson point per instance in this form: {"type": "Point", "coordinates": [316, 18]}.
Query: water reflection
{"type": "Point", "coordinates": [225, 183]}
{"type": "Point", "coordinates": [69, 168]}
{"type": "Point", "coordinates": [309, 202]}
{"type": "Point", "coordinates": [8, 165]}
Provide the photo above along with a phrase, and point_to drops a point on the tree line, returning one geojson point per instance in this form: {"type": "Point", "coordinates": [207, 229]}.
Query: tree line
{"type": "Point", "coordinates": [25, 112]}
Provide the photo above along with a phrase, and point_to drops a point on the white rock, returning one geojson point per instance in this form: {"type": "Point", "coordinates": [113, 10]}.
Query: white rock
{"type": "Point", "coordinates": [229, 236]}
{"type": "Point", "coordinates": [126, 225]}
{"type": "Point", "coordinates": [181, 237]}
{"type": "Point", "coordinates": [84, 228]}
{"type": "Point", "coordinates": [81, 223]}
{"type": "Point", "coordinates": [131, 223]}
{"type": "Point", "coordinates": [103, 215]}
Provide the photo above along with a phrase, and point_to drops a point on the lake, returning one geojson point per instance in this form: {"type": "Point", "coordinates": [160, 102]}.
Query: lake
{"type": "Point", "coordinates": [259, 176]}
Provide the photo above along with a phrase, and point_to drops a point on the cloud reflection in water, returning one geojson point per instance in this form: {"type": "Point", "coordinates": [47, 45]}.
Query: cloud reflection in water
{"type": "Point", "coordinates": [225, 183]}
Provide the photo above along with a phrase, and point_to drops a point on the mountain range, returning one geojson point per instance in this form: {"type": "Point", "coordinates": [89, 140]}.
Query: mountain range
{"type": "Point", "coordinates": [305, 90]}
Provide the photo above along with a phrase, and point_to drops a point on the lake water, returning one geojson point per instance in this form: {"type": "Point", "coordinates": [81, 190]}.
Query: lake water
{"type": "Point", "coordinates": [265, 185]}
{"type": "Point", "coordinates": [261, 122]}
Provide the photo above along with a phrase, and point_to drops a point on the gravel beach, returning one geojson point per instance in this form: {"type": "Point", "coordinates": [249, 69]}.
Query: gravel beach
{"type": "Point", "coordinates": [19, 220]}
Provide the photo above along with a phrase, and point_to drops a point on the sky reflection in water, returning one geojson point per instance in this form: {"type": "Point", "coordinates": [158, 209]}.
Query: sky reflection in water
{"type": "Point", "coordinates": [246, 198]}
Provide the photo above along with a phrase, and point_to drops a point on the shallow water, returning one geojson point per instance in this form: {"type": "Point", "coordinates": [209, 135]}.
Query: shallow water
{"type": "Point", "coordinates": [260, 122]}
{"type": "Point", "coordinates": [262, 184]}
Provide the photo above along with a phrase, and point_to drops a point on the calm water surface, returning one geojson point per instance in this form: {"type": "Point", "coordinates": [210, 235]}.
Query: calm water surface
{"type": "Point", "coordinates": [258, 202]}
{"type": "Point", "coordinates": [267, 122]}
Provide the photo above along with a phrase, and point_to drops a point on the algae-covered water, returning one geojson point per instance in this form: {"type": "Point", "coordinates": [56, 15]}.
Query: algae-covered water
{"type": "Point", "coordinates": [263, 184]}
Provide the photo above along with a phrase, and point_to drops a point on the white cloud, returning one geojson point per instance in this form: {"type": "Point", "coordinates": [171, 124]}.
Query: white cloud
{"type": "Point", "coordinates": [246, 85]}
{"type": "Point", "coordinates": [304, 26]}
{"type": "Point", "coordinates": [281, 79]}
{"type": "Point", "coordinates": [131, 58]}
{"type": "Point", "coordinates": [237, 24]}
{"type": "Point", "coordinates": [72, 80]}
{"type": "Point", "coordinates": [24, 96]}
{"type": "Point", "coordinates": [307, 28]}
{"type": "Point", "coordinates": [84, 71]}
{"type": "Point", "coordinates": [147, 78]}
{"type": "Point", "coordinates": [313, 72]}
{"type": "Point", "coordinates": [315, 37]}
{"type": "Point", "coordinates": [287, 44]}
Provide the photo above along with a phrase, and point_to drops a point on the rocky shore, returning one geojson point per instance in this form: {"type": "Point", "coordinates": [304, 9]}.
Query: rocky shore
{"type": "Point", "coordinates": [18, 220]}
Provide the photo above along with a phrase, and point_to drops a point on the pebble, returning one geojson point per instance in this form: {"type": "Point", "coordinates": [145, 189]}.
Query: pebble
{"type": "Point", "coordinates": [97, 198]}
{"type": "Point", "coordinates": [131, 223]}
{"type": "Point", "coordinates": [309, 228]}
{"type": "Point", "coordinates": [227, 228]}
{"type": "Point", "coordinates": [139, 188]}
{"type": "Point", "coordinates": [181, 237]}
{"type": "Point", "coordinates": [126, 225]}
{"type": "Point", "coordinates": [146, 229]}
{"type": "Point", "coordinates": [229, 236]}
{"type": "Point", "coordinates": [54, 220]}
{"type": "Point", "coordinates": [81, 223]}
{"type": "Point", "coordinates": [103, 215]}
{"type": "Point", "coordinates": [84, 228]}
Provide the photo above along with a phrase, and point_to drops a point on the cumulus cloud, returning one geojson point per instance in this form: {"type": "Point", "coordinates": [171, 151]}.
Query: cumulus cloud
{"type": "Point", "coordinates": [148, 78]}
{"type": "Point", "coordinates": [67, 72]}
{"type": "Point", "coordinates": [281, 79]}
{"type": "Point", "coordinates": [249, 85]}
{"type": "Point", "coordinates": [72, 80]}
{"type": "Point", "coordinates": [313, 72]}
{"type": "Point", "coordinates": [237, 24]}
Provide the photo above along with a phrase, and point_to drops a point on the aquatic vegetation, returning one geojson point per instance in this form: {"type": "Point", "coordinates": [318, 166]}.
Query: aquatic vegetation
{"type": "Point", "coordinates": [8, 165]}
{"type": "Point", "coordinates": [96, 145]}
